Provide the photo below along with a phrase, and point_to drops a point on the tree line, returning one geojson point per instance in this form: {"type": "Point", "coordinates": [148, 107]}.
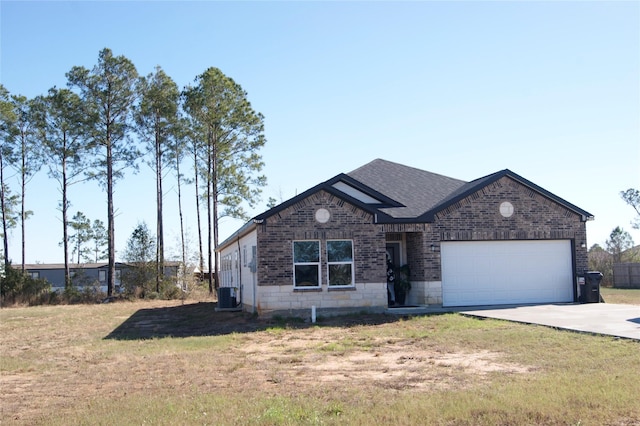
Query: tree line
{"type": "Point", "coordinates": [619, 247]}
{"type": "Point", "coordinates": [105, 122]}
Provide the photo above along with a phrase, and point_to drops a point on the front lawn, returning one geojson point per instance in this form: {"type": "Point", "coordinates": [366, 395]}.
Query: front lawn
{"type": "Point", "coordinates": [166, 363]}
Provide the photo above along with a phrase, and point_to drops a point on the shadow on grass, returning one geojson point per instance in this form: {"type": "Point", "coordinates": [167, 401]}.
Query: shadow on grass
{"type": "Point", "coordinates": [201, 319]}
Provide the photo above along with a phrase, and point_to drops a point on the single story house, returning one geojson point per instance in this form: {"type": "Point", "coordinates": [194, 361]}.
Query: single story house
{"type": "Point", "coordinates": [86, 274]}
{"type": "Point", "coordinates": [499, 239]}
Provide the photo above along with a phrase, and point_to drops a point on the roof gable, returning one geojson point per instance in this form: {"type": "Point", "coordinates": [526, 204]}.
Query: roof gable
{"type": "Point", "coordinates": [345, 188]}
{"type": "Point", "coordinates": [475, 185]}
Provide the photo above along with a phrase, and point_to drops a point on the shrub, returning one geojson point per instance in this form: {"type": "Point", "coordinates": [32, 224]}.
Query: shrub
{"type": "Point", "coordinates": [152, 295]}
{"type": "Point", "coordinates": [19, 287]}
{"type": "Point", "coordinates": [84, 294]}
{"type": "Point", "coordinates": [171, 291]}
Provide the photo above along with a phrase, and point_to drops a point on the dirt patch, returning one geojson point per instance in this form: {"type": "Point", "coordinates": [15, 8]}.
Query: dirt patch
{"type": "Point", "coordinates": [318, 357]}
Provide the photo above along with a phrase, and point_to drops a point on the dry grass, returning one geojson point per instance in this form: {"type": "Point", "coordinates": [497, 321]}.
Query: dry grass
{"type": "Point", "coordinates": [168, 363]}
{"type": "Point", "coordinates": [618, 295]}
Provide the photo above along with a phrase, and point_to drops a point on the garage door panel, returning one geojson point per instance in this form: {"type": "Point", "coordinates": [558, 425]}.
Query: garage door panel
{"type": "Point", "coordinates": [506, 272]}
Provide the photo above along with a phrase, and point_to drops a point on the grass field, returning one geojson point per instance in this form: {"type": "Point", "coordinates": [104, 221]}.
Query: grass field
{"type": "Point", "coordinates": [166, 363]}
{"type": "Point", "coordinates": [618, 295]}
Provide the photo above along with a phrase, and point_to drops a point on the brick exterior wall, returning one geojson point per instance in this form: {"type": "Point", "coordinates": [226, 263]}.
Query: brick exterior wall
{"type": "Point", "coordinates": [535, 217]}
{"type": "Point", "coordinates": [275, 253]}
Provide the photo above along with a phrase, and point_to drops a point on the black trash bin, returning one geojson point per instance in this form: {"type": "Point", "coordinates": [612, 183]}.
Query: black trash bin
{"type": "Point", "coordinates": [225, 300]}
{"type": "Point", "coordinates": [592, 287]}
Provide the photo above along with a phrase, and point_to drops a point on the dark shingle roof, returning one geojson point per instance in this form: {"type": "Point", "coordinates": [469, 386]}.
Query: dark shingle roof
{"type": "Point", "coordinates": [44, 266]}
{"type": "Point", "coordinates": [406, 194]}
{"type": "Point", "coordinates": [417, 190]}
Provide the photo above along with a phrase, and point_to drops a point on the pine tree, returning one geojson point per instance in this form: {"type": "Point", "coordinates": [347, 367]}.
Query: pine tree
{"type": "Point", "coordinates": [156, 121]}
{"type": "Point", "coordinates": [230, 133]}
{"type": "Point", "coordinates": [108, 95]}
{"type": "Point", "coordinates": [59, 123]}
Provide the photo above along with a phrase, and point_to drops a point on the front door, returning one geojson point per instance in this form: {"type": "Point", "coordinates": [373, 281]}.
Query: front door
{"type": "Point", "coordinates": [393, 254]}
{"type": "Point", "coordinates": [393, 251]}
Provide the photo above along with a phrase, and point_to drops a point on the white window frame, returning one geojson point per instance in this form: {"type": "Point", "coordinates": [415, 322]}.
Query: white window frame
{"type": "Point", "coordinates": [226, 269]}
{"type": "Point", "coordinates": [351, 263]}
{"type": "Point", "coordinates": [317, 264]}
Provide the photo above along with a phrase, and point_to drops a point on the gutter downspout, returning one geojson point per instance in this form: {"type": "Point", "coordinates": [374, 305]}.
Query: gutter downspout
{"type": "Point", "coordinates": [253, 278]}
{"type": "Point", "coordinates": [254, 269]}
{"type": "Point", "coordinates": [240, 272]}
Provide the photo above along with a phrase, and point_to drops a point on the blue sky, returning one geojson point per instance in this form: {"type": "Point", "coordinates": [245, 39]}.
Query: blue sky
{"type": "Point", "coordinates": [550, 90]}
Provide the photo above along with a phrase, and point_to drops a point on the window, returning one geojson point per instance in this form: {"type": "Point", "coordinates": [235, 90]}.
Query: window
{"type": "Point", "coordinates": [306, 263]}
{"type": "Point", "coordinates": [102, 276]}
{"type": "Point", "coordinates": [253, 267]}
{"type": "Point", "coordinates": [340, 262]}
{"type": "Point", "coordinates": [226, 269]}
{"type": "Point", "coordinates": [35, 275]}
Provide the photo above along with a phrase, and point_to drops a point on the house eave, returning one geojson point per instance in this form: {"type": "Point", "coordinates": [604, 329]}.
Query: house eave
{"type": "Point", "coordinates": [247, 228]}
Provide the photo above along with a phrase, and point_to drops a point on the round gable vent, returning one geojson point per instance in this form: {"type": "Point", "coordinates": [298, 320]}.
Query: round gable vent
{"type": "Point", "coordinates": [506, 209]}
{"type": "Point", "coordinates": [323, 215]}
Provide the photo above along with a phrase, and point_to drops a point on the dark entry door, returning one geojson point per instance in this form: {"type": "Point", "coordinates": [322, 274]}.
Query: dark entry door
{"type": "Point", "coordinates": [393, 250]}
{"type": "Point", "coordinates": [393, 253]}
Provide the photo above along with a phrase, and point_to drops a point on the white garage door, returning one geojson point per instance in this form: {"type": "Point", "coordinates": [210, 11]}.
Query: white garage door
{"type": "Point", "coordinates": [506, 272]}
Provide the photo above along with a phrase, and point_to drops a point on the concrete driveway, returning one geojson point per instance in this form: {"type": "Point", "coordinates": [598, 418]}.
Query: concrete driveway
{"type": "Point", "coordinates": [597, 318]}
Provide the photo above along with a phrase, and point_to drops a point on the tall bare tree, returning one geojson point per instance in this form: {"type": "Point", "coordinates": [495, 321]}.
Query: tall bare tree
{"type": "Point", "coordinates": [156, 119]}
{"type": "Point", "coordinates": [9, 203]}
{"type": "Point", "coordinates": [179, 151]}
{"type": "Point", "coordinates": [8, 131]}
{"type": "Point", "coordinates": [59, 122]}
{"type": "Point", "coordinates": [632, 197]}
{"type": "Point", "coordinates": [28, 158]}
{"type": "Point", "coordinates": [108, 95]}
{"type": "Point", "coordinates": [195, 151]}
{"type": "Point", "coordinates": [231, 133]}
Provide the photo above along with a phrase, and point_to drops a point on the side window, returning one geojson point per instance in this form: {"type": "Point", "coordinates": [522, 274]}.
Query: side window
{"type": "Point", "coordinates": [306, 264]}
{"type": "Point", "coordinates": [102, 276]}
{"type": "Point", "coordinates": [340, 262]}
{"type": "Point", "coordinates": [225, 271]}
